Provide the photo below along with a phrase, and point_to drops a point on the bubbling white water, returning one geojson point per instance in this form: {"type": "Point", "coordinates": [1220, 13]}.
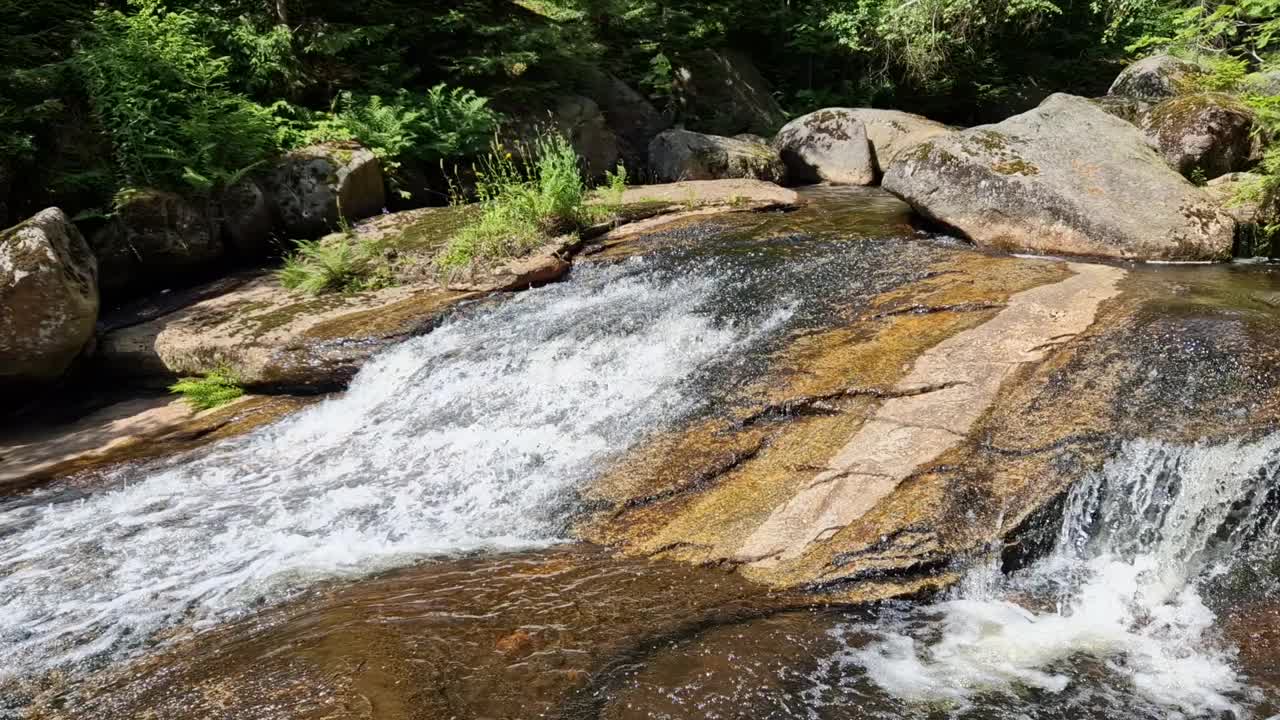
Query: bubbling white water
{"type": "Point", "coordinates": [474, 436]}
{"type": "Point", "coordinates": [1115, 617]}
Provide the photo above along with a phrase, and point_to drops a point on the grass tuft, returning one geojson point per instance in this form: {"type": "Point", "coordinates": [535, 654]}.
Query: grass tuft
{"type": "Point", "coordinates": [522, 204]}
{"type": "Point", "coordinates": [218, 387]}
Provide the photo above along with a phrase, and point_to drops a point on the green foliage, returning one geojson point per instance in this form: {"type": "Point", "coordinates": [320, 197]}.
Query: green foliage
{"type": "Point", "coordinates": [163, 99]}
{"type": "Point", "coordinates": [216, 388]}
{"type": "Point", "coordinates": [522, 204]}
{"type": "Point", "coordinates": [443, 123]}
{"type": "Point", "coordinates": [343, 262]}
{"type": "Point", "coordinates": [34, 77]}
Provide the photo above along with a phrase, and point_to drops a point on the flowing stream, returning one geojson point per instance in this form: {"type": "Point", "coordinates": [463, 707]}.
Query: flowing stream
{"type": "Point", "coordinates": [447, 477]}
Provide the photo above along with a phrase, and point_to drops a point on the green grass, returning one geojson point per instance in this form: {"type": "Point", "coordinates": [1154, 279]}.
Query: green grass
{"type": "Point", "coordinates": [337, 263]}
{"type": "Point", "coordinates": [522, 205]}
{"type": "Point", "coordinates": [216, 388]}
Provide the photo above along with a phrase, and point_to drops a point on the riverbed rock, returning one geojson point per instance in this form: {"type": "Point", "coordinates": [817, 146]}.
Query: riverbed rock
{"type": "Point", "coordinates": [1156, 78]}
{"type": "Point", "coordinates": [1202, 134]}
{"type": "Point", "coordinates": [247, 219]}
{"type": "Point", "coordinates": [827, 145]}
{"type": "Point", "coordinates": [677, 155]}
{"type": "Point", "coordinates": [723, 93]}
{"type": "Point", "coordinates": [310, 186]}
{"type": "Point", "coordinates": [154, 238]}
{"type": "Point", "coordinates": [48, 298]}
{"type": "Point", "coordinates": [1067, 178]}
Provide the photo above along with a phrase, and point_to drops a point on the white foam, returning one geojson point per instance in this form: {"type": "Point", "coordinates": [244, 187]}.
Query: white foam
{"type": "Point", "coordinates": [474, 436]}
{"type": "Point", "coordinates": [1122, 590]}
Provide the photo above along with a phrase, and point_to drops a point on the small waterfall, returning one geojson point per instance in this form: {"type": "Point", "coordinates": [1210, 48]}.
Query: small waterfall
{"type": "Point", "coordinates": [473, 437]}
{"type": "Point", "coordinates": [1115, 620]}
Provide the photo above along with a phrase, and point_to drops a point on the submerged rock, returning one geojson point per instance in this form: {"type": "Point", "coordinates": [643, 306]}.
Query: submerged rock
{"type": "Point", "coordinates": [309, 187]}
{"type": "Point", "coordinates": [1205, 134]}
{"type": "Point", "coordinates": [48, 298]}
{"type": "Point", "coordinates": [1155, 78]}
{"type": "Point", "coordinates": [1066, 177]}
{"type": "Point", "coordinates": [827, 145]}
{"type": "Point", "coordinates": [153, 238]}
{"type": "Point", "coordinates": [677, 155]}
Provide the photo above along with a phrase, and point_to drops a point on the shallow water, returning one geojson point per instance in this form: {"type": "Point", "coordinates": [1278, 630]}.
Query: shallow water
{"type": "Point", "coordinates": [401, 551]}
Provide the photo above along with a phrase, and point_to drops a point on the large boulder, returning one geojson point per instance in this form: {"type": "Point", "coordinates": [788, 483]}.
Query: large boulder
{"type": "Point", "coordinates": [582, 123]}
{"type": "Point", "coordinates": [1155, 78]}
{"type": "Point", "coordinates": [247, 218]}
{"type": "Point", "coordinates": [633, 119]}
{"type": "Point", "coordinates": [310, 186]}
{"type": "Point", "coordinates": [1129, 109]}
{"type": "Point", "coordinates": [48, 298]}
{"type": "Point", "coordinates": [1066, 177]}
{"type": "Point", "coordinates": [893, 132]}
{"type": "Point", "coordinates": [152, 237]}
{"type": "Point", "coordinates": [1209, 134]}
{"type": "Point", "coordinates": [683, 155]}
{"type": "Point", "coordinates": [1245, 198]}
{"type": "Point", "coordinates": [827, 145]}
{"type": "Point", "coordinates": [722, 92]}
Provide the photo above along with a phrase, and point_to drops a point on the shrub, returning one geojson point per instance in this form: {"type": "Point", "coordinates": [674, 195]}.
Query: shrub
{"type": "Point", "coordinates": [522, 204]}
{"type": "Point", "coordinates": [162, 97]}
{"type": "Point", "coordinates": [216, 388]}
{"type": "Point", "coordinates": [342, 262]}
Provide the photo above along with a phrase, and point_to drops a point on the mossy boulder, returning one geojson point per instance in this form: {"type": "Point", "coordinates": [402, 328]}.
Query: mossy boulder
{"type": "Point", "coordinates": [247, 219]}
{"type": "Point", "coordinates": [1156, 78]}
{"type": "Point", "coordinates": [310, 187]}
{"type": "Point", "coordinates": [631, 117]}
{"type": "Point", "coordinates": [677, 155]}
{"type": "Point", "coordinates": [1064, 178]}
{"type": "Point", "coordinates": [154, 238]}
{"type": "Point", "coordinates": [48, 298]}
{"type": "Point", "coordinates": [893, 132]}
{"type": "Point", "coordinates": [722, 92]}
{"type": "Point", "coordinates": [1205, 134]}
{"type": "Point", "coordinates": [827, 145]}
{"type": "Point", "coordinates": [1129, 109]}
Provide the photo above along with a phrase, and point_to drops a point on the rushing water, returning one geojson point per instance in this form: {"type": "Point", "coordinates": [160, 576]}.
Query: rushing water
{"type": "Point", "coordinates": [477, 437]}
{"type": "Point", "coordinates": [1116, 619]}
{"type": "Point", "coordinates": [472, 437]}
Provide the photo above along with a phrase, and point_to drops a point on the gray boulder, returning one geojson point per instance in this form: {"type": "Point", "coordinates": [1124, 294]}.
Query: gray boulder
{"type": "Point", "coordinates": [892, 132]}
{"type": "Point", "coordinates": [722, 92]}
{"type": "Point", "coordinates": [1208, 133]}
{"type": "Point", "coordinates": [152, 236]}
{"type": "Point", "coordinates": [1065, 178]}
{"type": "Point", "coordinates": [1155, 78]}
{"type": "Point", "coordinates": [677, 155]}
{"type": "Point", "coordinates": [48, 298]}
{"type": "Point", "coordinates": [308, 186]}
{"type": "Point", "coordinates": [582, 123]}
{"type": "Point", "coordinates": [247, 219]}
{"type": "Point", "coordinates": [827, 145]}
{"type": "Point", "coordinates": [633, 119]}
{"type": "Point", "coordinates": [1129, 109]}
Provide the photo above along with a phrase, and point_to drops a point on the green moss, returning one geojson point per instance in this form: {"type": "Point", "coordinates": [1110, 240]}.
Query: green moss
{"type": "Point", "coordinates": [990, 140]}
{"type": "Point", "coordinates": [1015, 167]}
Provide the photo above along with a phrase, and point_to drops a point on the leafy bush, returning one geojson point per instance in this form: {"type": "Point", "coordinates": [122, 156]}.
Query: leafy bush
{"type": "Point", "coordinates": [443, 123]}
{"type": "Point", "coordinates": [216, 388]}
{"type": "Point", "coordinates": [523, 204]}
{"type": "Point", "coordinates": [162, 97]}
{"type": "Point", "coordinates": [337, 263]}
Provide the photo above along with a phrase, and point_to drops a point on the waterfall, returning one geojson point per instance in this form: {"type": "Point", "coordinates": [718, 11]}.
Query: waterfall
{"type": "Point", "coordinates": [1115, 618]}
{"type": "Point", "coordinates": [473, 437]}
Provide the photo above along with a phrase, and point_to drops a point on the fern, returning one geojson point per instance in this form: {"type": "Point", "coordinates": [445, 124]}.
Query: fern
{"type": "Point", "coordinates": [218, 387]}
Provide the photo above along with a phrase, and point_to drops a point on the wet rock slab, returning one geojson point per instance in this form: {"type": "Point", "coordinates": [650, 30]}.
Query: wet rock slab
{"type": "Point", "coordinates": [946, 418]}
